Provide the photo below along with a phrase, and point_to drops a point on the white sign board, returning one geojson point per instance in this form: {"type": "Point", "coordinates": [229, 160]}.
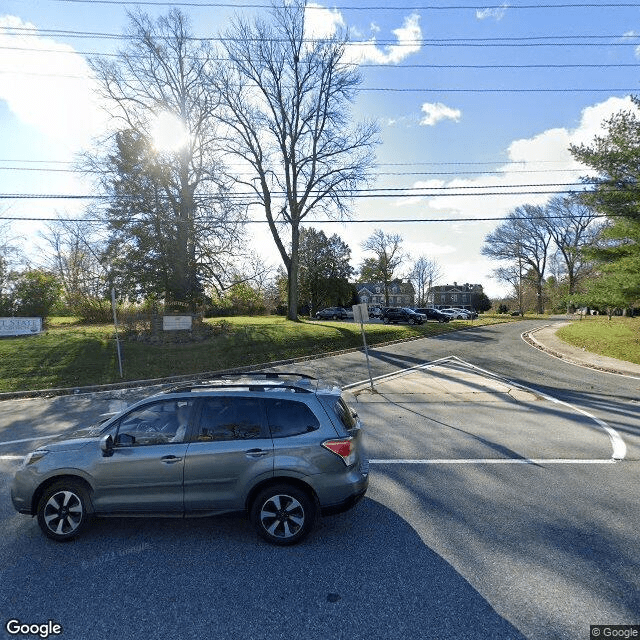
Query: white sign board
{"type": "Point", "coordinates": [360, 313]}
{"type": "Point", "coordinates": [176, 323]}
{"type": "Point", "coordinates": [20, 326]}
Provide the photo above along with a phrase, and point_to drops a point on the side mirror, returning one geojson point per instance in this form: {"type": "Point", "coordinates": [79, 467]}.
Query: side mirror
{"type": "Point", "coordinates": [106, 444]}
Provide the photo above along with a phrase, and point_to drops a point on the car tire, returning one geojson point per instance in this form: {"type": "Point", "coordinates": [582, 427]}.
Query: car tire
{"type": "Point", "coordinates": [334, 317]}
{"type": "Point", "coordinates": [283, 514]}
{"type": "Point", "coordinates": [410, 321]}
{"type": "Point", "coordinates": [63, 510]}
{"type": "Point", "coordinates": [385, 320]}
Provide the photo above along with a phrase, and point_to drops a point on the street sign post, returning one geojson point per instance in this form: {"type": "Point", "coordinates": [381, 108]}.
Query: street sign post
{"type": "Point", "coordinates": [115, 324]}
{"type": "Point", "coordinates": [361, 315]}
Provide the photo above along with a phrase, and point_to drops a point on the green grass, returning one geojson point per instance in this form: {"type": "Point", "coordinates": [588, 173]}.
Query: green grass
{"type": "Point", "coordinates": [69, 354]}
{"type": "Point", "coordinates": [616, 338]}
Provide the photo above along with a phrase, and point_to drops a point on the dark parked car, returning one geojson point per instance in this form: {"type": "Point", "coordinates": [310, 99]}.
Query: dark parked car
{"type": "Point", "coordinates": [434, 314]}
{"type": "Point", "coordinates": [281, 447]}
{"type": "Point", "coordinates": [402, 314]}
{"type": "Point", "coordinates": [335, 313]}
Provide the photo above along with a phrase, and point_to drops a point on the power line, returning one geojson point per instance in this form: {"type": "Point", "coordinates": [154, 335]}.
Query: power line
{"type": "Point", "coordinates": [228, 5]}
{"type": "Point", "coordinates": [346, 221]}
{"type": "Point", "coordinates": [389, 192]}
{"type": "Point", "coordinates": [540, 40]}
{"type": "Point", "coordinates": [377, 173]}
{"type": "Point", "coordinates": [367, 65]}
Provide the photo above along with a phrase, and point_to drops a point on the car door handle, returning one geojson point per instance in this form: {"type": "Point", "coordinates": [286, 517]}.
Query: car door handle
{"type": "Point", "coordinates": [257, 453]}
{"type": "Point", "coordinates": [170, 459]}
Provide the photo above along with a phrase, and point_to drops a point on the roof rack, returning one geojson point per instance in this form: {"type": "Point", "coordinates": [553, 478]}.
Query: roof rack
{"type": "Point", "coordinates": [268, 375]}
{"type": "Point", "coordinates": [216, 383]}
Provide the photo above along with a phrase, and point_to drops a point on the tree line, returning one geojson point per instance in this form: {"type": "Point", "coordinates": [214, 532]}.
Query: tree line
{"type": "Point", "coordinates": [72, 277]}
{"type": "Point", "coordinates": [583, 248]}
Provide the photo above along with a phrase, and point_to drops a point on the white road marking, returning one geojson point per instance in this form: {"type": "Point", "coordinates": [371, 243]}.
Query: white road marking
{"type": "Point", "coordinates": [617, 443]}
{"type": "Point", "coordinates": [2, 444]}
{"type": "Point", "coordinates": [538, 461]}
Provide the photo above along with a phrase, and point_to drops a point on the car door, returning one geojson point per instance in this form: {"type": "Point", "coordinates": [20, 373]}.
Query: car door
{"type": "Point", "coordinates": [230, 452]}
{"type": "Point", "coordinates": [145, 471]}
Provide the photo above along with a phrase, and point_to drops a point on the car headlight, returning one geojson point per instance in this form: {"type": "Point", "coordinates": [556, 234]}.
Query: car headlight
{"type": "Point", "coordinates": [34, 456]}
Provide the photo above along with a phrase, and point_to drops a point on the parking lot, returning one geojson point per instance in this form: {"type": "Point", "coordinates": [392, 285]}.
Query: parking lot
{"type": "Point", "coordinates": [494, 511]}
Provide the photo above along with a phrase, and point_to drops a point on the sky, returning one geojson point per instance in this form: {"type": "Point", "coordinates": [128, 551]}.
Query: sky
{"type": "Point", "coordinates": [477, 106]}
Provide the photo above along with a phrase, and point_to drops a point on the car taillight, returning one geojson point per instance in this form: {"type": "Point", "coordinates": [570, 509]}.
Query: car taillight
{"type": "Point", "coordinates": [342, 448]}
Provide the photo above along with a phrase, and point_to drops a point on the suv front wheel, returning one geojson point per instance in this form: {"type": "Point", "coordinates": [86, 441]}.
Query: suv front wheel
{"type": "Point", "coordinates": [283, 514]}
{"type": "Point", "coordinates": [62, 510]}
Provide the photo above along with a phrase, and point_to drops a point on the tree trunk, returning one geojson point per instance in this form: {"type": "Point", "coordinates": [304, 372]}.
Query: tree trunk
{"type": "Point", "coordinates": [292, 272]}
{"type": "Point", "coordinates": [540, 300]}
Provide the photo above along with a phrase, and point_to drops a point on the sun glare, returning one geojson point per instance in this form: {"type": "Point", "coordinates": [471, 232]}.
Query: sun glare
{"type": "Point", "coordinates": [168, 133]}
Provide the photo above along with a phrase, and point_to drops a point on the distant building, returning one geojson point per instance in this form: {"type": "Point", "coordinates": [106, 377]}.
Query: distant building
{"type": "Point", "coordinates": [454, 295]}
{"type": "Point", "coordinates": [401, 294]}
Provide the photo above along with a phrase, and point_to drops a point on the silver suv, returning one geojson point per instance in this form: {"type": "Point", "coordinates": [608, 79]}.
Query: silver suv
{"type": "Point", "coordinates": [282, 447]}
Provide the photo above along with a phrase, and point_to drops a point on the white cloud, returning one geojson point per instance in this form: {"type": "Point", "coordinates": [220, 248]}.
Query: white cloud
{"type": "Point", "coordinates": [426, 248]}
{"type": "Point", "coordinates": [436, 111]}
{"type": "Point", "coordinates": [536, 162]}
{"type": "Point", "coordinates": [497, 13]}
{"type": "Point", "coordinates": [47, 85]}
{"type": "Point", "coordinates": [408, 37]}
{"type": "Point", "coordinates": [320, 22]}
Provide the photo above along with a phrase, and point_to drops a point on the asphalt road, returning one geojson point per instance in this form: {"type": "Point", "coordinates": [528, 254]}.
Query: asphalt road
{"type": "Point", "coordinates": [493, 512]}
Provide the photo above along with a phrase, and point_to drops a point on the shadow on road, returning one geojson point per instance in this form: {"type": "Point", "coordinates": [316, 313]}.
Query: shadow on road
{"type": "Point", "coordinates": [365, 574]}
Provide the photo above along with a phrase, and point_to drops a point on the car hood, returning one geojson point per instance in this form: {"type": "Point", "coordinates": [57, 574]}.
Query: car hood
{"type": "Point", "coordinates": [74, 440]}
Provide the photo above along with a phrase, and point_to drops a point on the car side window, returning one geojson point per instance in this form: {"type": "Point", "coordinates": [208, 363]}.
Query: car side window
{"type": "Point", "coordinates": [230, 419]}
{"type": "Point", "coordinates": [289, 418]}
{"type": "Point", "coordinates": [161, 422]}
{"type": "Point", "coordinates": [345, 414]}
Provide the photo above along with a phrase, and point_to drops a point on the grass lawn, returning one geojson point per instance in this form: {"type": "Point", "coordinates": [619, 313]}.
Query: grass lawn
{"type": "Point", "coordinates": [616, 338]}
{"type": "Point", "coordinates": [69, 354]}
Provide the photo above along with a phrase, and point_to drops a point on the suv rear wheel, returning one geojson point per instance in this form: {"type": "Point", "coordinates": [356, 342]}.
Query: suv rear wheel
{"type": "Point", "coordinates": [283, 514]}
{"type": "Point", "coordinates": [62, 510]}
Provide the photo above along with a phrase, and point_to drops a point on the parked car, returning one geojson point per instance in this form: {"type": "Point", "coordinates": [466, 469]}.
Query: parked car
{"type": "Point", "coordinates": [455, 314]}
{"type": "Point", "coordinates": [281, 447]}
{"type": "Point", "coordinates": [402, 314]}
{"type": "Point", "coordinates": [375, 312]}
{"type": "Point", "coordinates": [335, 313]}
{"type": "Point", "coordinates": [470, 313]}
{"type": "Point", "coordinates": [433, 314]}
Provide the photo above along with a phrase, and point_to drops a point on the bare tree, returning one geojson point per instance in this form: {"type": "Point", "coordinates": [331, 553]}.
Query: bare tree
{"type": "Point", "coordinates": [168, 210]}
{"type": "Point", "coordinates": [573, 227]}
{"type": "Point", "coordinates": [522, 240]}
{"type": "Point", "coordinates": [425, 273]}
{"type": "Point", "coordinates": [75, 255]}
{"type": "Point", "coordinates": [388, 256]}
{"type": "Point", "coordinates": [286, 101]}
{"type": "Point", "coordinates": [9, 256]}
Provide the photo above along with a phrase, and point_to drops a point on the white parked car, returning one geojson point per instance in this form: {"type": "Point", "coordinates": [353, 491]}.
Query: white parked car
{"type": "Point", "coordinates": [455, 314]}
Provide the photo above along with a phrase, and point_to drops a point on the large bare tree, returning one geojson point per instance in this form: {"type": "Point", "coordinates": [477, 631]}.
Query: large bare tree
{"type": "Point", "coordinates": [522, 241]}
{"type": "Point", "coordinates": [287, 99]}
{"type": "Point", "coordinates": [573, 226]}
{"type": "Point", "coordinates": [168, 208]}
